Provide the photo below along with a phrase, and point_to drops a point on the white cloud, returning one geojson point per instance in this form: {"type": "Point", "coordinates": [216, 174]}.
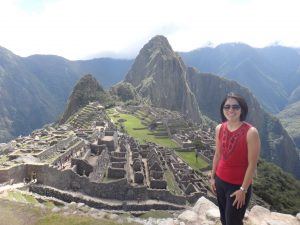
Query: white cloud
{"type": "Point", "coordinates": [77, 29]}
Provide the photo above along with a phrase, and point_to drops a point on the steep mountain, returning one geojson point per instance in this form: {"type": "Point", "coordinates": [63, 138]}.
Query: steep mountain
{"type": "Point", "coordinates": [159, 75]}
{"type": "Point", "coordinates": [277, 145]}
{"type": "Point", "coordinates": [26, 103]}
{"type": "Point", "coordinates": [86, 90]}
{"type": "Point", "coordinates": [34, 89]}
{"type": "Point", "coordinates": [290, 118]}
{"type": "Point", "coordinates": [270, 73]}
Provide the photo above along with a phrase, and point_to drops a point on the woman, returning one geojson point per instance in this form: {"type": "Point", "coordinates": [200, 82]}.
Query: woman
{"type": "Point", "coordinates": [234, 163]}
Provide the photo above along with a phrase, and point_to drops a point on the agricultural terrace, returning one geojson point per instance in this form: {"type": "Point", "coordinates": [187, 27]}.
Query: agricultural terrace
{"type": "Point", "coordinates": [137, 127]}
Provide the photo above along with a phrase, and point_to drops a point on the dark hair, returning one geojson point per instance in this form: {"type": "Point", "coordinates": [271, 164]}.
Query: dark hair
{"type": "Point", "coordinates": [242, 103]}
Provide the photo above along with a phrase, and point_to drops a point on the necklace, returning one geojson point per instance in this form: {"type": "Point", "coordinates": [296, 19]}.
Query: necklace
{"type": "Point", "coordinates": [229, 140]}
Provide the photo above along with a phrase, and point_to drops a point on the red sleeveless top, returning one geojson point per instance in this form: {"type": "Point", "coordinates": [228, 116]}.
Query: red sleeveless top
{"type": "Point", "coordinates": [233, 162]}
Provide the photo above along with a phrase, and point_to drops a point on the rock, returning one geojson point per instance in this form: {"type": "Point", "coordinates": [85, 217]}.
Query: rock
{"type": "Point", "coordinates": [262, 216]}
{"type": "Point", "coordinates": [55, 210]}
{"type": "Point", "coordinates": [257, 214]}
{"type": "Point", "coordinates": [213, 214]}
{"type": "Point", "coordinates": [113, 216]}
{"type": "Point", "coordinates": [80, 204]}
{"type": "Point", "coordinates": [189, 216]}
{"type": "Point", "coordinates": [168, 221]}
{"type": "Point", "coordinates": [202, 205]}
{"type": "Point", "coordinates": [298, 216]}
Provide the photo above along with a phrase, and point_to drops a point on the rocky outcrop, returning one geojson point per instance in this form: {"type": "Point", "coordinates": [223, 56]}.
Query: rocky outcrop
{"type": "Point", "coordinates": [206, 212]}
{"type": "Point", "coordinates": [125, 91]}
{"type": "Point", "coordinates": [159, 76]}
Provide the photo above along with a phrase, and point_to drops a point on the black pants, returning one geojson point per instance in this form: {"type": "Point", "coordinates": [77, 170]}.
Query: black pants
{"type": "Point", "coordinates": [230, 215]}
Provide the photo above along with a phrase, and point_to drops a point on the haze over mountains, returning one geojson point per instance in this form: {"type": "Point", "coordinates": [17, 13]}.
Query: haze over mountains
{"type": "Point", "coordinates": [34, 89]}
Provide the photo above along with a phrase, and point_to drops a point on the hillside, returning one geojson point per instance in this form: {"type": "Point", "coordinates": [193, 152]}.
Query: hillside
{"type": "Point", "coordinates": [271, 73]}
{"type": "Point", "coordinates": [290, 118]}
{"type": "Point", "coordinates": [34, 89]}
{"type": "Point", "coordinates": [85, 91]}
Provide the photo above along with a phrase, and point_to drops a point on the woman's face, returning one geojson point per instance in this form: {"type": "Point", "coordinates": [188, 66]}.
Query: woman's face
{"type": "Point", "coordinates": [232, 110]}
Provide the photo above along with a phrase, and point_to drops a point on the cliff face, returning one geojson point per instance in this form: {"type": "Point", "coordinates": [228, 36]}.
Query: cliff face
{"type": "Point", "coordinates": [277, 145]}
{"type": "Point", "coordinates": [86, 90]}
{"type": "Point", "coordinates": [159, 76]}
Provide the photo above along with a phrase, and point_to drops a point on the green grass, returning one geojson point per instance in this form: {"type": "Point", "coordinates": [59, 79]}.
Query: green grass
{"type": "Point", "coordinates": [58, 219]}
{"type": "Point", "coordinates": [172, 185]}
{"type": "Point", "coordinates": [49, 204]}
{"type": "Point", "coordinates": [156, 214]}
{"type": "Point", "coordinates": [30, 198]}
{"type": "Point", "coordinates": [3, 159]}
{"type": "Point", "coordinates": [16, 196]}
{"type": "Point", "coordinates": [21, 197]}
{"type": "Point", "coordinates": [15, 213]}
{"type": "Point", "coordinates": [190, 159]}
{"type": "Point", "coordinates": [132, 123]}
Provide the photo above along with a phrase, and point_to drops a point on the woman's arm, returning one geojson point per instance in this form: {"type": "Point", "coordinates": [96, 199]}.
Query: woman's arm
{"type": "Point", "coordinates": [253, 143]}
{"type": "Point", "coordinates": [215, 160]}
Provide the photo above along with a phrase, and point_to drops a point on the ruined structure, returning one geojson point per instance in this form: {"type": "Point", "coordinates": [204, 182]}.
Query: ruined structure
{"type": "Point", "coordinates": [88, 160]}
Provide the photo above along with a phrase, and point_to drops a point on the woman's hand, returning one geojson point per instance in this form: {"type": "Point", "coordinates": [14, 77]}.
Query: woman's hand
{"type": "Point", "coordinates": [213, 185]}
{"type": "Point", "coordinates": [239, 200]}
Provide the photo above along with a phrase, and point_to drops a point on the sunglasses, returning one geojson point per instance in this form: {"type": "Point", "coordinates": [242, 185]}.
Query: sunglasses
{"type": "Point", "coordinates": [234, 107]}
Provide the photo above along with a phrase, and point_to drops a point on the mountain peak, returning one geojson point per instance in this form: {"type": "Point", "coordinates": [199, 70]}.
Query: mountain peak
{"type": "Point", "coordinates": [86, 90]}
{"type": "Point", "coordinates": [158, 41]}
{"type": "Point", "coordinates": [159, 76]}
{"type": "Point", "coordinates": [157, 50]}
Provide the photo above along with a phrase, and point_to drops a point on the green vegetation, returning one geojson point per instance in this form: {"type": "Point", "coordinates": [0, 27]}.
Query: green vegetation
{"type": "Point", "coordinates": [3, 159]}
{"type": "Point", "coordinates": [278, 188]}
{"type": "Point", "coordinates": [134, 127]}
{"type": "Point", "coordinates": [172, 185]}
{"type": "Point", "coordinates": [156, 214]}
{"type": "Point", "coordinates": [58, 219]}
{"type": "Point", "coordinates": [16, 213]}
{"type": "Point", "coordinates": [190, 158]}
{"type": "Point", "coordinates": [125, 91]}
{"type": "Point", "coordinates": [26, 198]}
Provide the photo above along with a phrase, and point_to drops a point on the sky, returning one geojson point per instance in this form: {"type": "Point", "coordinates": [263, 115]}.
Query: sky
{"type": "Point", "coordinates": [85, 29]}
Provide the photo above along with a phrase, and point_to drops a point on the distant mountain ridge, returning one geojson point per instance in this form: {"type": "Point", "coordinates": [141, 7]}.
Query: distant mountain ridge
{"type": "Point", "coordinates": [34, 89]}
{"type": "Point", "coordinates": [271, 73]}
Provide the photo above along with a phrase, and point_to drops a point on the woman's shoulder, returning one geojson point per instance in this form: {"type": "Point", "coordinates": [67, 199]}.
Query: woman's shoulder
{"type": "Point", "coordinates": [219, 126]}
{"type": "Point", "coordinates": [252, 133]}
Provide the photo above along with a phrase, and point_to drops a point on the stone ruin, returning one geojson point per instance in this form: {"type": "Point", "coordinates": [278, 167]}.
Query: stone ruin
{"type": "Point", "coordinates": [102, 168]}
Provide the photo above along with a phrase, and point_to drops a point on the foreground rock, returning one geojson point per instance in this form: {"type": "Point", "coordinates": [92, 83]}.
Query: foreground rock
{"type": "Point", "coordinates": [207, 213]}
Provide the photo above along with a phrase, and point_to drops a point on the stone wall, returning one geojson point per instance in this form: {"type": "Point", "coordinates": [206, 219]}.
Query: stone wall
{"type": "Point", "coordinates": [51, 150]}
{"type": "Point", "coordinates": [82, 167]}
{"type": "Point", "coordinates": [116, 173]}
{"type": "Point", "coordinates": [164, 195]}
{"type": "Point", "coordinates": [15, 174]}
{"type": "Point", "coordinates": [125, 206]}
{"type": "Point", "coordinates": [69, 152]}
